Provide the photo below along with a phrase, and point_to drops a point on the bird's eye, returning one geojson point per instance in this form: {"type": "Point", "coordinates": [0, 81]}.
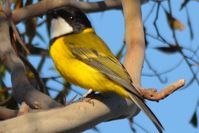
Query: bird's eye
{"type": "Point", "coordinates": [71, 17]}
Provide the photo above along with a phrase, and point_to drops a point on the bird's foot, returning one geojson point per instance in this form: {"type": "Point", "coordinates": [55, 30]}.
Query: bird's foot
{"type": "Point", "coordinates": [87, 97]}
{"type": "Point", "coordinates": [89, 92]}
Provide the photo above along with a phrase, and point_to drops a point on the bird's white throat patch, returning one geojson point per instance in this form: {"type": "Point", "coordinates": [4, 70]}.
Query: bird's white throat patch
{"type": "Point", "coordinates": [59, 27]}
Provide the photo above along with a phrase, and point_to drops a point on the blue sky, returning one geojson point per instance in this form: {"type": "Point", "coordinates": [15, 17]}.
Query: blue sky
{"type": "Point", "coordinates": [176, 110]}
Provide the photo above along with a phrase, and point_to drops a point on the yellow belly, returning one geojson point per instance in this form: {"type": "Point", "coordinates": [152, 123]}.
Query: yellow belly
{"type": "Point", "coordinates": [79, 73]}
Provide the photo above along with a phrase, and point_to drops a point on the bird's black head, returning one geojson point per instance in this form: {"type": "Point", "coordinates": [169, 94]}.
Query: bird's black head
{"type": "Point", "coordinates": [67, 20]}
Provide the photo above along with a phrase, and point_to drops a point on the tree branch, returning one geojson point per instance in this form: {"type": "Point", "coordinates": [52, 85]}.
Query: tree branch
{"type": "Point", "coordinates": [135, 47]}
{"type": "Point", "coordinates": [74, 118]}
{"type": "Point", "coordinates": [153, 95]}
{"type": "Point", "coordinates": [7, 113]}
{"type": "Point", "coordinates": [134, 38]}
{"type": "Point", "coordinates": [43, 6]}
{"type": "Point", "coordinates": [22, 89]}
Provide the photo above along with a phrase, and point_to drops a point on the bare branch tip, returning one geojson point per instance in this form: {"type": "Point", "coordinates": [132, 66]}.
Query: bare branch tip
{"type": "Point", "coordinates": [182, 81]}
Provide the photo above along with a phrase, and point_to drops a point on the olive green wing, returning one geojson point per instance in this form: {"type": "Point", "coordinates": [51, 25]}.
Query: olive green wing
{"type": "Point", "coordinates": [112, 68]}
{"type": "Point", "coordinates": [108, 65]}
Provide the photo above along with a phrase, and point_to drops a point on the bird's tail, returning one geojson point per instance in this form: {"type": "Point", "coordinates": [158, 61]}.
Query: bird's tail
{"type": "Point", "coordinates": [140, 103]}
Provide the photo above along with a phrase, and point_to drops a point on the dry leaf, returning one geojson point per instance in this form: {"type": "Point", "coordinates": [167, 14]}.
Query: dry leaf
{"type": "Point", "coordinates": [174, 23]}
{"type": "Point", "coordinates": [170, 50]}
{"type": "Point", "coordinates": [194, 119]}
{"type": "Point", "coordinates": [18, 4]}
{"type": "Point", "coordinates": [31, 25]}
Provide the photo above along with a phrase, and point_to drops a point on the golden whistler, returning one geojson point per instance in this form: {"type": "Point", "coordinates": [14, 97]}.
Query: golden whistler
{"type": "Point", "coordinates": [83, 59]}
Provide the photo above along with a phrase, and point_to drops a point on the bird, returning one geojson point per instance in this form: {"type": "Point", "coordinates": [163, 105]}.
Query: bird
{"type": "Point", "coordinates": [82, 58]}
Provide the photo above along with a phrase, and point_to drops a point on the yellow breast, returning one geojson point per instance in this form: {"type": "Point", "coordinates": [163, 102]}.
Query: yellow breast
{"type": "Point", "coordinates": [79, 73]}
